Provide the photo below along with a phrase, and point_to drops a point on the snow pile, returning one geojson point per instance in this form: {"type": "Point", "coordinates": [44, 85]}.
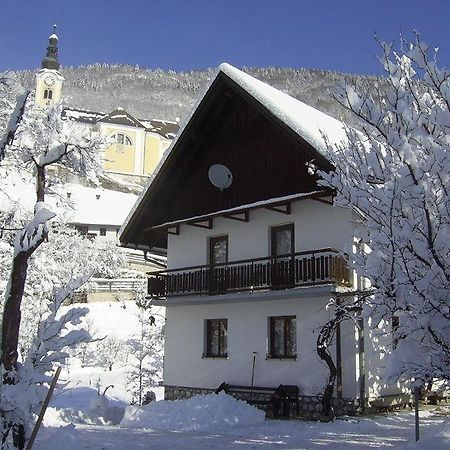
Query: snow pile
{"type": "Point", "coordinates": [199, 413]}
{"type": "Point", "coordinates": [111, 415]}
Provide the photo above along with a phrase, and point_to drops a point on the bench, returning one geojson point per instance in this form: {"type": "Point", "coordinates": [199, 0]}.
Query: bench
{"type": "Point", "coordinates": [390, 403]}
{"type": "Point", "coordinates": [283, 400]}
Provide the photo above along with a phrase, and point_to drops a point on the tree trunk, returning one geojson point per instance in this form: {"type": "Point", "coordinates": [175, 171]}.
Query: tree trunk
{"type": "Point", "coordinates": [40, 184]}
{"type": "Point", "coordinates": [324, 339]}
{"type": "Point", "coordinates": [11, 311]}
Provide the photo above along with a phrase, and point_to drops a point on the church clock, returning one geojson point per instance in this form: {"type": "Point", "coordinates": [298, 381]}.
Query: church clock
{"type": "Point", "coordinates": [49, 80]}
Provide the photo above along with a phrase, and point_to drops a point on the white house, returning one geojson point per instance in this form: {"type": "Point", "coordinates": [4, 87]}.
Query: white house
{"type": "Point", "coordinates": [254, 250]}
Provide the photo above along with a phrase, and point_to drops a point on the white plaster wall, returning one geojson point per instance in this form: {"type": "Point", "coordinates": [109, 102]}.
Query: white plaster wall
{"type": "Point", "coordinates": [111, 231]}
{"type": "Point", "coordinates": [349, 359]}
{"type": "Point", "coordinates": [248, 332]}
{"type": "Point", "coordinates": [317, 225]}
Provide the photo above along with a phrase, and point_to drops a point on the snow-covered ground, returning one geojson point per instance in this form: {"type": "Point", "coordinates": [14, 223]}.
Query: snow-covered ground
{"type": "Point", "coordinates": [77, 419]}
{"type": "Point", "coordinates": [249, 430]}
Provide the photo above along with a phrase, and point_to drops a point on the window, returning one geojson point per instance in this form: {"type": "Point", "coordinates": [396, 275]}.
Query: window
{"type": "Point", "coordinates": [102, 231]}
{"type": "Point", "coordinates": [216, 338]}
{"type": "Point", "coordinates": [48, 93]}
{"type": "Point", "coordinates": [282, 240]}
{"type": "Point", "coordinates": [218, 274]}
{"type": "Point", "coordinates": [218, 250]}
{"type": "Point", "coordinates": [122, 139]}
{"type": "Point", "coordinates": [283, 337]}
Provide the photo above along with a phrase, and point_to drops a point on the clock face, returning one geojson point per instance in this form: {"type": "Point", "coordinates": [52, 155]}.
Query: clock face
{"type": "Point", "coordinates": [49, 80]}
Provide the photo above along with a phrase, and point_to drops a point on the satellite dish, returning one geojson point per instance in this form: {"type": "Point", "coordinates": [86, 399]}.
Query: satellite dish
{"type": "Point", "coordinates": [220, 176]}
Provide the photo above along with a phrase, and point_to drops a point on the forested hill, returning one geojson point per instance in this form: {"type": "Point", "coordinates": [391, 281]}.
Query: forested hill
{"type": "Point", "coordinates": [149, 94]}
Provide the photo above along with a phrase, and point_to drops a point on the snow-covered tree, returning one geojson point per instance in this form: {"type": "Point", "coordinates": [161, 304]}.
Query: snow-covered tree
{"type": "Point", "coordinates": [394, 173]}
{"type": "Point", "coordinates": [145, 349]}
{"type": "Point", "coordinates": [36, 139]}
{"type": "Point", "coordinates": [109, 351]}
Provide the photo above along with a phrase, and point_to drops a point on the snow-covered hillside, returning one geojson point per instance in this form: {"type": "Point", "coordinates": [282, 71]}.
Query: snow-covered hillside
{"type": "Point", "coordinates": [149, 94]}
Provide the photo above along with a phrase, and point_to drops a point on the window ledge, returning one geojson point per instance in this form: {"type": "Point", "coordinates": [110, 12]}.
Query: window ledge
{"type": "Point", "coordinates": [215, 356]}
{"type": "Point", "coordinates": [282, 358]}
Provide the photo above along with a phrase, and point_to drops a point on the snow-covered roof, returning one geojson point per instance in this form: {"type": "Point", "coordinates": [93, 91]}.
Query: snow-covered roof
{"type": "Point", "coordinates": [96, 205]}
{"type": "Point", "coordinates": [166, 128]}
{"type": "Point", "coordinates": [82, 115]}
{"type": "Point", "coordinates": [308, 122]}
{"type": "Point", "coordinates": [120, 117]}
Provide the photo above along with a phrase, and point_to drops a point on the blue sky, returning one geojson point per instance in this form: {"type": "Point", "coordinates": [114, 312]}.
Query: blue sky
{"type": "Point", "coordinates": [191, 34]}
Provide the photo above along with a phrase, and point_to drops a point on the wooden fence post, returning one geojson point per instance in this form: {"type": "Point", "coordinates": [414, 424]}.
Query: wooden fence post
{"type": "Point", "coordinates": [43, 409]}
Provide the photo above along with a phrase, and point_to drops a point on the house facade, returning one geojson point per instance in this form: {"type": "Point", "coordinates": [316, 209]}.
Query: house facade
{"type": "Point", "coordinates": [254, 250]}
{"type": "Point", "coordinates": [136, 145]}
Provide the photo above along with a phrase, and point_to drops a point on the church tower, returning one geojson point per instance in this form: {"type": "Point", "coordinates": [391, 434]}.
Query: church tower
{"type": "Point", "coordinates": [48, 80]}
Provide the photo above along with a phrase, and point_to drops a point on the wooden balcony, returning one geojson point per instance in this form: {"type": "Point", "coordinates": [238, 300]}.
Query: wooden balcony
{"type": "Point", "coordinates": [311, 268]}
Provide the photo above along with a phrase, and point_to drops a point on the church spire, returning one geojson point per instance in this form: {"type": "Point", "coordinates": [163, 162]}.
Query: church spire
{"type": "Point", "coordinates": [51, 58]}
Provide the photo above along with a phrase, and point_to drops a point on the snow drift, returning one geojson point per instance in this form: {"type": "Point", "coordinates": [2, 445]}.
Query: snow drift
{"type": "Point", "coordinates": [199, 413]}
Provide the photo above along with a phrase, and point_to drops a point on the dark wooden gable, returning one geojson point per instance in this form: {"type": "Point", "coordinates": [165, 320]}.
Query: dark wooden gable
{"type": "Point", "coordinates": [267, 160]}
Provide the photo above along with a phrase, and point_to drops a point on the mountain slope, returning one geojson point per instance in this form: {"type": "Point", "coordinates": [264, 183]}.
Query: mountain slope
{"type": "Point", "coordinates": [170, 95]}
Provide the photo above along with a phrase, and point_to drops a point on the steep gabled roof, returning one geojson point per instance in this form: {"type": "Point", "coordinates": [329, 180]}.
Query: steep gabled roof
{"type": "Point", "coordinates": [291, 129]}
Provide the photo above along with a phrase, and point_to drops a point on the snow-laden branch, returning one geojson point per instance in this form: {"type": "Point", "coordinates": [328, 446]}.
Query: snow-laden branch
{"type": "Point", "coordinates": [36, 231]}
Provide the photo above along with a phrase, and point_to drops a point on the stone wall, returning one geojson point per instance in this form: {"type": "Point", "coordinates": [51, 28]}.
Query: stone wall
{"type": "Point", "coordinates": [309, 406]}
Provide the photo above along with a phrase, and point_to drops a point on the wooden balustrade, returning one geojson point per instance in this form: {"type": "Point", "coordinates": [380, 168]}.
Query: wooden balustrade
{"type": "Point", "coordinates": [317, 267]}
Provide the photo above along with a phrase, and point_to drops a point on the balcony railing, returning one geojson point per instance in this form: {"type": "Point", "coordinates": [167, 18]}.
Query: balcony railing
{"type": "Point", "coordinates": [311, 268]}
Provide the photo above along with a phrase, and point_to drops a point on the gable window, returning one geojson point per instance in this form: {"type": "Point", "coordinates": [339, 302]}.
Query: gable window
{"type": "Point", "coordinates": [216, 338]}
{"type": "Point", "coordinates": [122, 139]}
{"type": "Point", "coordinates": [282, 248]}
{"type": "Point", "coordinates": [283, 337]}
